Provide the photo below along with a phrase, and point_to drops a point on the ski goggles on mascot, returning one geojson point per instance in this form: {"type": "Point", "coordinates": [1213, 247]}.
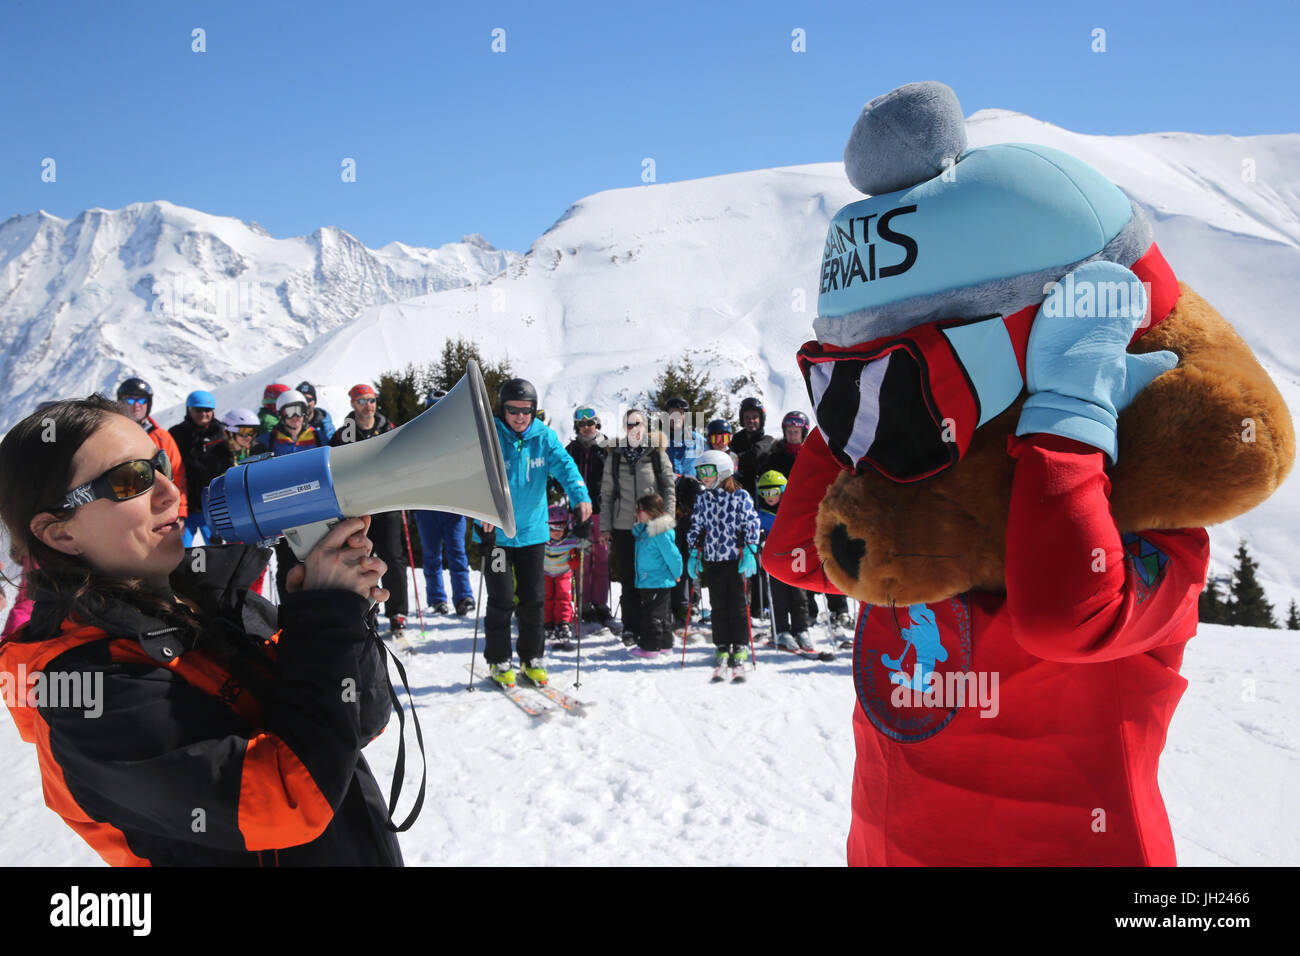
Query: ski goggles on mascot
{"type": "Point", "coordinates": [907, 405]}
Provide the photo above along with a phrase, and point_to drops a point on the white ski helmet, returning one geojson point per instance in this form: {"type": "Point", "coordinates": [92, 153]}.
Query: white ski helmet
{"type": "Point", "coordinates": [239, 416]}
{"type": "Point", "coordinates": [291, 397]}
{"type": "Point", "coordinates": [719, 459]}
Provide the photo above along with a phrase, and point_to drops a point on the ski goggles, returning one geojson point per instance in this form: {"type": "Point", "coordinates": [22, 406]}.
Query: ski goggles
{"type": "Point", "coordinates": [770, 494]}
{"type": "Point", "coordinates": [585, 415]}
{"type": "Point", "coordinates": [706, 471]}
{"type": "Point", "coordinates": [120, 483]}
{"type": "Point", "coordinates": [295, 410]}
{"type": "Point", "coordinates": [245, 431]}
{"type": "Point", "coordinates": [908, 405]}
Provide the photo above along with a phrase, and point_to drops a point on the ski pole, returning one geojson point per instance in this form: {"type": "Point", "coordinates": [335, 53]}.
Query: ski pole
{"type": "Point", "coordinates": [749, 625]}
{"type": "Point", "coordinates": [415, 587]}
{"type": "Point", "coordinates": [744, 581]}
{"type": "Point", "coordinates": [577, 623]}
{"type": "Point", "coordinates": [771, 610]}
{"type": "Point", "coordinates": [686, 631]}
{"type": "Point", "coordinates": [478, 605]}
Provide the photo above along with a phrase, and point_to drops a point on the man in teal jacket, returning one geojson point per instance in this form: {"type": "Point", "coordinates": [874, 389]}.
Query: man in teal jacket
{"type": "Point", "coordinates": [532, 453]}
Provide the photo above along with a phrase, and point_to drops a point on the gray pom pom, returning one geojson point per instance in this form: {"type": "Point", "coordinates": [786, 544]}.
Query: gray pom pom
{"type": "Point", "coordinates": [905, 137]}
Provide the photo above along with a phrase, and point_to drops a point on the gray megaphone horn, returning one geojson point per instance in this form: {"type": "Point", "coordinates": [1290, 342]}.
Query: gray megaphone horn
{"type": "Point", "coordinates": [445, 459]}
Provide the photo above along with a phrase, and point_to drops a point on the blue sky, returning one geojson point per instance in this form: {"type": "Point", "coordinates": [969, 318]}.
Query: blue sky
{"type": "Point", "coordinates": [450, 137]}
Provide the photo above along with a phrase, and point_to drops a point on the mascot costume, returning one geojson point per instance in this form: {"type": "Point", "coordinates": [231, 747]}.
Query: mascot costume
{"type": "Point", "coordinates": [1024, 421]}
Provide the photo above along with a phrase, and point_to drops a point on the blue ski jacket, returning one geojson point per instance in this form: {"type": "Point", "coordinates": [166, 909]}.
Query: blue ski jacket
{"type": "Point", "coordinates": [658, 562]}
{"type": "Point", "coordinates": [530, 459]}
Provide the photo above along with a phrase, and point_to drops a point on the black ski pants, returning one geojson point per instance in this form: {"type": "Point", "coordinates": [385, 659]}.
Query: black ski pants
{"type": "Point", "coordinates": [656, 632]}
{"type": "Point", "coordinates": [730, 612]}
{"type": "Point", "coordinates": [511, 571]}
{"type": "Point", "coordinates": [789, 608]}
{"type": "Point", "coordinates": [388, 535]}
{"type": "Point", "coordinates": [623, 556]}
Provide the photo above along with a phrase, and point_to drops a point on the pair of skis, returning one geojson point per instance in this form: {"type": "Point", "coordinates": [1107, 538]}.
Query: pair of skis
{"type": "Point", "coordinates": [539, 701]}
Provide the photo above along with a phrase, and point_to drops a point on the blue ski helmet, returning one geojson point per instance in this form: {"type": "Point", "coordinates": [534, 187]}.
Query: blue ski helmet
{"type": "Point", "coordinates": [201, 399]}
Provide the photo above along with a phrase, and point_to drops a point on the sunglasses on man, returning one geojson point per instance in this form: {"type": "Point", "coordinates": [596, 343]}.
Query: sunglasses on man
{"type": "Point", "coordinates": [519, 409]}
{"type": "Point", "coordinates": [120, 483]}
{"type": "Point", "coordinates": [365, 401]}
{"type": "Point", "coordinates": [135, 400]}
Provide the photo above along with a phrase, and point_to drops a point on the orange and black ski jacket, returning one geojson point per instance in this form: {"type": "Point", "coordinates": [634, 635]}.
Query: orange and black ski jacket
{"type": "Point", "coordinates": [168, 758]}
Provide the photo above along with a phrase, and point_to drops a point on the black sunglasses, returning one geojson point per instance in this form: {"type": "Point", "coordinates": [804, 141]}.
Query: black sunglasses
{"type": "Point", "coordinates": [120, 483]}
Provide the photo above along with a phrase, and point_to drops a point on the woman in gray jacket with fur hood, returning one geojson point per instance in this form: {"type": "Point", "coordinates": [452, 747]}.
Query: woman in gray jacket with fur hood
{"type": "Point", "coordinates": [635, 465]}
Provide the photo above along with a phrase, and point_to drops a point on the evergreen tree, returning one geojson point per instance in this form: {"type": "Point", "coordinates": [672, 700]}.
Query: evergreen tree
{"type": "Point", "coordinates": [682, 379]}
{"type": "Point", "coordinates": [450, 368]}
{"type": "Point", "coordinates": [1248, 605]}
{"type": "Point", "coordinates": [1293, 617]}
{"type": "Point", "coordinates": [1210, 606]}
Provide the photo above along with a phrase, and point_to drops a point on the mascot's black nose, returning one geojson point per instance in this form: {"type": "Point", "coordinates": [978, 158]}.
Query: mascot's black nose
{"type": "Point", "coordinates": [846, 550]}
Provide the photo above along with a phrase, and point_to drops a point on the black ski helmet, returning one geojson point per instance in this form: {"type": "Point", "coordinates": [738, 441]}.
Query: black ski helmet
{"type": "Point", "coordinates": [308, 390]}
{"type": "Point", "coordinates": [676, 403]}
{"type": "Point", "coordinates": [755, 405]}
{"type": "Point", "coordinates": [516, 390]}
{"type": "Point", "coordinates": [136, 387]}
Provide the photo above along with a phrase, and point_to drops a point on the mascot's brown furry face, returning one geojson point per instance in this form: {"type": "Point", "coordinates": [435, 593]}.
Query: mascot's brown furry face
{"type": "Point", "coordinates": [1204, 442]}
{"type": "Point", "coordinates": [1016, 497]}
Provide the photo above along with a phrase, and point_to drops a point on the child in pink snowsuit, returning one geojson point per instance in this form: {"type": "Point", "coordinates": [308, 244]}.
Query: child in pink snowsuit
{"type": "Point", "coordinates": [560, 561]}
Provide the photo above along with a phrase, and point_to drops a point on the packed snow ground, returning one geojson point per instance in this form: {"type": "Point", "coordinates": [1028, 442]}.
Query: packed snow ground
{"type": "Point", "coordinates": [667, 769]}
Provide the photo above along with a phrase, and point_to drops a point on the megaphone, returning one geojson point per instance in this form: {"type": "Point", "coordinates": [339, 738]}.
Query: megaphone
{"type": "Point", "coordinates": [445, 459]}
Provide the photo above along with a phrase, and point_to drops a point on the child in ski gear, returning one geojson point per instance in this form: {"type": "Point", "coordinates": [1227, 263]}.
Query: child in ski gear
{"type": "Point", "coordinates": [658, 568]}
{"type": "Point", "coordinates": [562, 560]}
{"type": "Point", "coordinates": [789, 606]}
{"type": "Point", "coordinates": [532, 453]}
{"type": "Point", "coordinates": [723, 538]}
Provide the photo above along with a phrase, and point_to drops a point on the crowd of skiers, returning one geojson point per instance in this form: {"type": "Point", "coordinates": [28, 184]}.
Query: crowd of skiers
{"type": "Point", "coordinates": [661, 508]}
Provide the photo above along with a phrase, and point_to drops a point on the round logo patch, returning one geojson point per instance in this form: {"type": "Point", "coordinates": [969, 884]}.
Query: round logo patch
{"type": "Point", "coordinates": [910, 666]}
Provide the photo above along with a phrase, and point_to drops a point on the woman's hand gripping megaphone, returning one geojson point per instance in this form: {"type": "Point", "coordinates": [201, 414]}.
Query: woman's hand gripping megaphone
{"type": "Point", "coordinates": [342, 560]}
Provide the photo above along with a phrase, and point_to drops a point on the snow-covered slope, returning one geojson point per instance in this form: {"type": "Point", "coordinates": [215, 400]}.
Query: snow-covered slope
{"type": "Point", "coordinates": [670, 770]}
{"type": "Point", "coordinates": [186, 299]}
{"type": "Point", "coordinates": [727, 266]}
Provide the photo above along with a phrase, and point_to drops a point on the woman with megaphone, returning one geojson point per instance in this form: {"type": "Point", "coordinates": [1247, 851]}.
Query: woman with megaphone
{"type": "Point", "coordinates": [176, 720]}
{"type": "Point", "coordinates": [532, 453]}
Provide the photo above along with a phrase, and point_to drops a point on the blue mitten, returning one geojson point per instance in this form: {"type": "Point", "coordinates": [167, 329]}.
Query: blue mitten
{"type": "Point", "coordinates": [749, 560]}
{"type": "Point", "coordinates": [1079, 374]}
{"type": "Point", "coordinates": [693, 566]}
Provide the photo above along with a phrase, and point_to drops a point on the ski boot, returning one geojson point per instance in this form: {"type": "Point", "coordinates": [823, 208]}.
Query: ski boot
{"type": "Point", "coordinates": [739, 655]}
{"type": "Point", "coordinates": [561, 638]}
{"type": "Point", "coordinates": [803, 641]}
{"type": "Point", "coordinates": [534, 671]}
{"type": "Point", "coordinates": [503, 674]}
{"type": "Point", "coordinates": [721, 661]}
{"type": "Point", "coordinates": [442, 607]}
{"type": "Point", "coordinates": [464, 606]}
{"type": "Point", "coordinates": [787, 641]}
{"type": "Point", "coordinates": [397, 622]}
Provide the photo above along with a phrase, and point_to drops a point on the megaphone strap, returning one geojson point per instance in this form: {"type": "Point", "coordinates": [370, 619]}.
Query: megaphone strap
{"type": "Point", "coordinates": [399, 769]}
